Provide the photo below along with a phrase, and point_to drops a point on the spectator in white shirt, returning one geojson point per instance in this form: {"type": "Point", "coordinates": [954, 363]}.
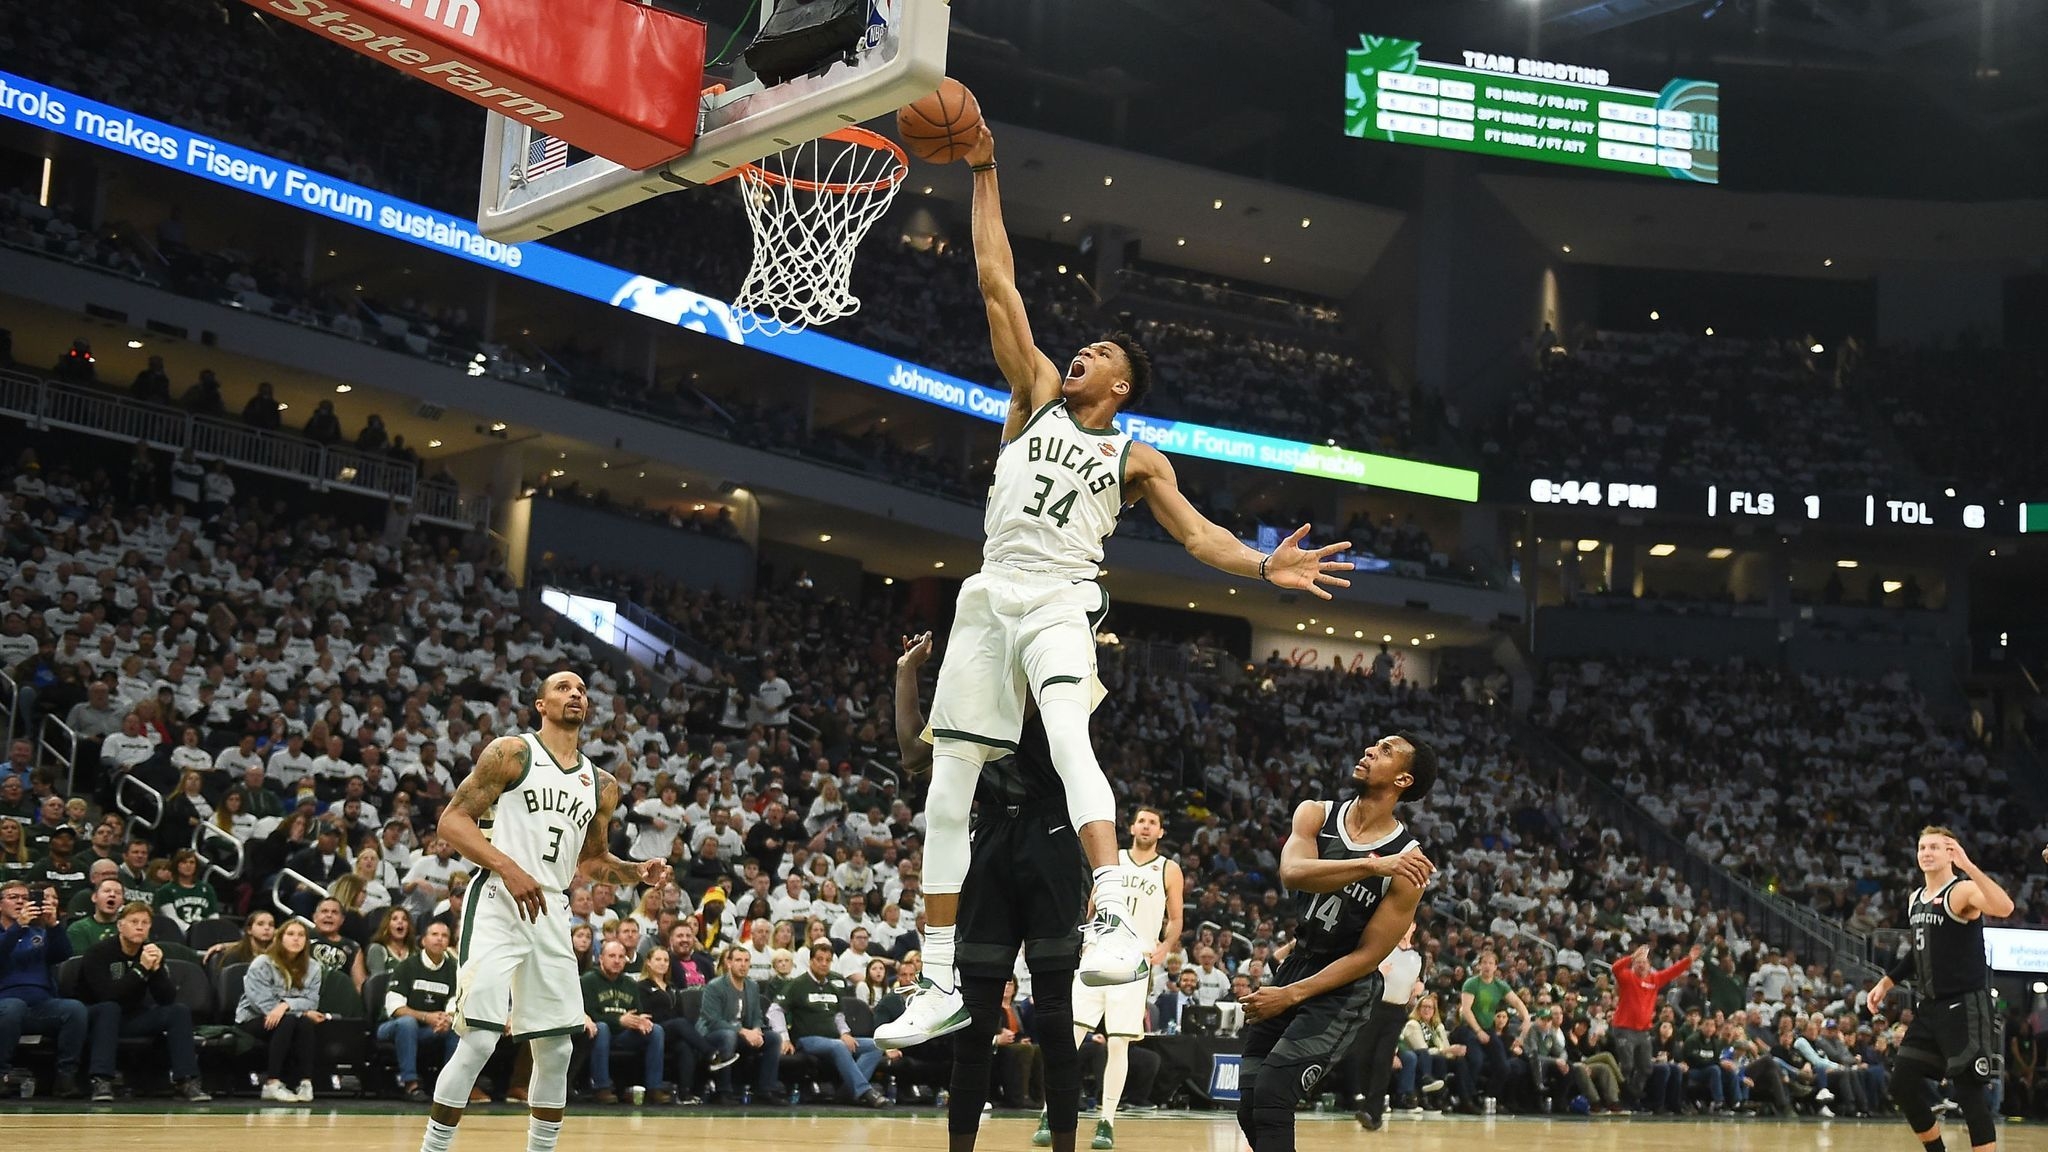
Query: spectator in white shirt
{"type": "Point", "coordinates": [730, 845]}
{"type": "Point", "coordinates": [232, 762]}
{"type": "Point", "coordinates": [1212, 982]}
{"type": "Point", "coordinates": [852, 964]}
{"type": "Point", "coordinates": [791, 902]}
{"type": "Point", "coordinates": [854, 919]}
{"type": "Point", "coordinates": [188, 756]}
{"type": "Point", "coordinates": [664, 822]}
{"type": "Point", "coordinates": [332, 765]}
{"type": "Point", "coordinates": [128, 748]}
{"type": "Point", "coordinates": [771, 699]}
{"type": "Point", "coordinates": [290, 764]}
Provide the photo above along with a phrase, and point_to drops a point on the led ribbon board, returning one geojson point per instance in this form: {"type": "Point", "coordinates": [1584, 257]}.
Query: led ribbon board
{"type": "Point", "coordinates": [335, 199]}
{"type": "Point", "coordinates": [1528, 109]}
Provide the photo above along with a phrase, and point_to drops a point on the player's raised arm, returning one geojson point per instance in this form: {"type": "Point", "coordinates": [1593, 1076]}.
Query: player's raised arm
{"type": "Point", "coordinates": [1382, 933]}
{"type": "Point", "coordinates": [1302, 868]}
{"type": "Point", "coordinates": [500, 767]}
{"type": "Point", "coordinates": [1033, 378]}
{"type": "Point", "coordinates": [595, 860]}
{"type": "Point", "coordinates": [916, 754]}
{"type": "Point", "coordinates": [1978, 891]}
{"type": "Point", "coordinates": [1150, 477]}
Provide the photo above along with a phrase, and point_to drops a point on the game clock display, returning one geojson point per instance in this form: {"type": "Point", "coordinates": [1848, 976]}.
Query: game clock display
{"type": "Point", "coordinates": [1960, 512]}
{"type": "Point", "coordinates": [1528, 109]}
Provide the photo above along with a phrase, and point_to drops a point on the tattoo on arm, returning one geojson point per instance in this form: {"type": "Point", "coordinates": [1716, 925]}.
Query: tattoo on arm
{"type": "Point", "coordinates": [503, 761]}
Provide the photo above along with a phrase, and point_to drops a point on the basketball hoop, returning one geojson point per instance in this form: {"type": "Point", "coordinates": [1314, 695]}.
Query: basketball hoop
{"type": "Point", "coordinates": [809, 206]}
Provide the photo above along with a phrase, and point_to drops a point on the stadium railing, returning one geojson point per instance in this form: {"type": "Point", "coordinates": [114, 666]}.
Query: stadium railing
{"type": "Point", "coordinates": [142, 804]}
{"type": "Point", "coordinates": [45, 404]}
{"type": "Point", "coordinates": [47, 753]}
{"type": "Point", "coordinates": [1774, 918]}
{"type": "Point", "coordinates": [207, 832]}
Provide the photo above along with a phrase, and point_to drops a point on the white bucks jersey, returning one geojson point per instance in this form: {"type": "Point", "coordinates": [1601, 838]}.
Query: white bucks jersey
{"type": "Point", "coordinates": [1145, 888]}
{"type": "Point", "coordinates": [540, 821]}
{"type": "Point", "coordinates": [1056, 495]}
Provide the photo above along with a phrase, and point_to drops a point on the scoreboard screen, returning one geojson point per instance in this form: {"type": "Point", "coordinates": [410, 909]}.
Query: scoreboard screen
{"type": "Point", "coordinates": [1529, 109]}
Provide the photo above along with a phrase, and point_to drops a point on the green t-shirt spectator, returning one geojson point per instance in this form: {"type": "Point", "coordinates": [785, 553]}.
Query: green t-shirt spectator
{"type": "Point", "coordinates": [1725, 991]}
{"type": "Point", "coordinates": [1487, 997]}
{"type": "Point", "coordinates": [607, 1000]}
{"type": "Point", "coordinates": [812, 1007]}
{"type": "Point", "coordinates": [86, 932]}
{"type": "Point", "coordinates": [188, 906]}
{"type": "Point", "coordinates": [421, 986]}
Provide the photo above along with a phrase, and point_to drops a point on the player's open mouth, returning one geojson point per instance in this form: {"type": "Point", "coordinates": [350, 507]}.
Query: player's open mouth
{"type": "Point", "coordinates": [1078, 369]}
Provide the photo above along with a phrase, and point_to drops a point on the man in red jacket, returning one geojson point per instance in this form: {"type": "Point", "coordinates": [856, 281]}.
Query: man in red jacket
{"type": "Point", "coordinates": [1636, 985]}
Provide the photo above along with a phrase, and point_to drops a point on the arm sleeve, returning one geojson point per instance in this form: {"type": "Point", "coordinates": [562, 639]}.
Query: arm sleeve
{"type": "Point", "coordinates": [1901, 971]}
{"type": "Point", "coordinates": [776, 1020]}
{"type": "Point", "coordinates": [839, 1022]}
{"type": "Point", "coordinates": [1673, 972]}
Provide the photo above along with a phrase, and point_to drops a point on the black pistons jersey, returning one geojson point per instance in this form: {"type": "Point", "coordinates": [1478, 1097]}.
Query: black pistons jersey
{"type": "Point", "coordinates": [1332, 922]}
{"type": "Point", "coordinates": [1025, 777]}
{"type": "Point", "coordinates": [1948, 953]}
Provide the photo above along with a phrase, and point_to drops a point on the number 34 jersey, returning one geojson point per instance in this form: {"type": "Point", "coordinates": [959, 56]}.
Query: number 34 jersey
{"type": "Point", "coordinates": [1331, 922]}
{"type": "Point", "coordinates": [1057, 491]}
{"type": "Point", "coordinates": [541, 820]}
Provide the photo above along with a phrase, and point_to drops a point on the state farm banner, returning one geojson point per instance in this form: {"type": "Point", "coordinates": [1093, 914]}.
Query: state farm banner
{"type": "Point", "coordinates": [609, 76]}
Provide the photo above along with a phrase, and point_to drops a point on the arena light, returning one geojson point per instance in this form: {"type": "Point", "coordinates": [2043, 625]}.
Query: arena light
{"type": "Point", "coordinates": [1948, 492]}
{"type": "Point", "coordinates": [284, 407]}
{"type": "Point", "coordinates": [888, 580]}
{"type": "Point", "coordinates": [1567, 249]}
{"type": "Point", "coordinates": [1191, 603]}
{"type": "Point", "coordinates": [1817, 348]}
{"type": "Point", "coordinates": [1415, 641]}
{"type": "Point", "coordinates": [1357, 634]}
{"type": "Point", "coordinates": [498, 426]}
{"type": "Point", "coordinates": [1066, 217]}
{"type": "Point", "coordinates": [1828, 263]}
{"type": "Point", "coordinates": [1181, 243]}
{"type": "Point", "coordinates": [433, 443]}
{"type": "Point", "coordinates": [344, 388]}
{"type": "Point", "coordinates": [1108, 181]}
{"type": "Point", "coordinates": [1305, 221]}
{"type": "Point", "coordinates": [1387, 638]}
{"type": "Point", "coordinates": [43, 195]}
{"type": "Point", "coordinates": [135, 343]}
{"type": "Point", "coordinates": [1663, 549]}
{"type": "Point", "coordinates": [1329, 630]}
{"type": "Point", "coordinates": [1589, 545]}
{"type": "Point", "coordinates": [1845, 564]}
{"type": "Point", "coordinates": [1654, 315]}
{"type": "Point", "coordinates": [1063, 269]}
{"type": "Point", "coordinates": [824, 537]}
{"type": "Point", "coordinates": [1217, 205]}
{"type": "Point", "coordinates": [1891, 586]}
{"type": "Point", "coordinates": [1265, 259]}
{"type": "Point", "coordinates": [1300, 627]}
{"type": "Point", "coordinates": [1710, 330]}
{"type": "Point", "coordinates": [938, 563]}
{"type": "Point", "coordinates": [1720, 553]}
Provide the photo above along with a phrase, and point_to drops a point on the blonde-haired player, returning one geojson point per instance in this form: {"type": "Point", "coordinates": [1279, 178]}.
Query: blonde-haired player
{"type": "Point", "coordinates": [532, 815]}
{"type": "Point", "coordinates": [1152, 888]}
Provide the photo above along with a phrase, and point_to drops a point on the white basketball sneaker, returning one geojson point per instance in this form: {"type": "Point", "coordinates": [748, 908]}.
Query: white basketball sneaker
{"type": "Point", "coordinates": [1111, 952]}
{"type": "Point", "coordinates": [929, 1012]}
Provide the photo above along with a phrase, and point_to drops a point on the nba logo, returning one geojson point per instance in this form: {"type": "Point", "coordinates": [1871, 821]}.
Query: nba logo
{"type": "Point", "coordinates": [881, 13]}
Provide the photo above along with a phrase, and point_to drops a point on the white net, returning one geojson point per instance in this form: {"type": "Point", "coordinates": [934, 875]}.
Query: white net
{"type": "Point", "coordinates": [809, 207]}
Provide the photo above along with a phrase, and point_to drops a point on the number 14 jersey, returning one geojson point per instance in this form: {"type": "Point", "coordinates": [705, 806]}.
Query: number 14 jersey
{"type": "Point", "coordinates": [1057, 491]}
{"type": "Point", "coordinates": [1331, 922]}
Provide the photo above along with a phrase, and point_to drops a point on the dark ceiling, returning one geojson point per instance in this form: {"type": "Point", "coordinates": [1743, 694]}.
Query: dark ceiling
{"type": "Point", "coordinates": [1939, 99]}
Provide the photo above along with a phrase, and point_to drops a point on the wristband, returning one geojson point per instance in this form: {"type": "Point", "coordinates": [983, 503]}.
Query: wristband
{"type": "Point", "coordinates": [988, 167]}
{"type": "Point", "coordinates": [1263, 561]}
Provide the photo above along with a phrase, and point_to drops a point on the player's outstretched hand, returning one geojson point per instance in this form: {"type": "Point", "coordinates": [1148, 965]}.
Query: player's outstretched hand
{"type": "Point", "coordinates": [916, 650]}
{"type": "Point", "coordinates": [1291, 566]}
{"type": "Point", "coordinates": [654, 873]}
{"type": "Point", "coordinates": [983, 150]}
{"type": "Point", "coordinates": [526, 893]}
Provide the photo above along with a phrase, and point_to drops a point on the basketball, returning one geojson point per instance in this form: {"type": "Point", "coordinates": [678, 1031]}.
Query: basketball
{"type": "Point", "coordinates": [940, 128]}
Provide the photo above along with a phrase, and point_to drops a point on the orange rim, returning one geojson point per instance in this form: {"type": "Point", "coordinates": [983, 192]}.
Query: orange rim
{"type": "Point", "coordinates": [848, 135]}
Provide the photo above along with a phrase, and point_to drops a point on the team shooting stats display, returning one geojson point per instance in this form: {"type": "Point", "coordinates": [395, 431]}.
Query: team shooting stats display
{"type": "Point", "coordinates": [1528, 109]}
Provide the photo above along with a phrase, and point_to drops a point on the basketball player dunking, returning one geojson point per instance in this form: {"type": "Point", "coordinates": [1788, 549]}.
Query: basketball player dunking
{"type": "Point", "coordinates": [1954, 1034]}
{"type": "Point", "coordinates": [532, 815]}
{"type": "Point", "coordinates": [1153, 884]}
{"type": "Point", "coordinates": [1359, 873]}
{"type": "Point", "coordinates": [1023, 626]}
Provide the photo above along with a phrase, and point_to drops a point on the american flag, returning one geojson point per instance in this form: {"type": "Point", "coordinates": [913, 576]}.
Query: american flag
{"type": "Point", "coordinates": [546, 154]}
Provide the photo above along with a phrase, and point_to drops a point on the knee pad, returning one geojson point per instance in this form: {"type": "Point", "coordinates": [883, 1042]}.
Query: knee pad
{"type": "Point", "coordinates": [549, 1085]}
{"type": "Point", "coordinates": [1976, 1106]}
{"type": "Point", "coordinates": [1089, 798]}
{"type": "Point", "coordinates": [463, 1066]}
{"type": "Point", "coordinates": [1909, 1092]}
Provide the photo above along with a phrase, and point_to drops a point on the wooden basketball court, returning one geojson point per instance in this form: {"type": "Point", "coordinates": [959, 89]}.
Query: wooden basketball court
{"type": "Point", "coordinates": [242, 1130]}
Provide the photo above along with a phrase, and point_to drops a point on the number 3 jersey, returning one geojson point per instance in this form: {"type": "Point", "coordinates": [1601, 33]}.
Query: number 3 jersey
{"type": "Point", "coordinates": [1332, 922]}
{"type": "Point", "coordinates": [541, 820]}
{"type": "Point", "coordinates": [1057, 491]}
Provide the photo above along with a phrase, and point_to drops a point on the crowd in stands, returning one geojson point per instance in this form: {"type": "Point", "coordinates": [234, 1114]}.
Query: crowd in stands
{"type": "Point", "coordinates": [1953, 411]}
{"type": "Point", "coordinates": [1748, 763]}
{"type": "Point", "coordinates": [923, 298]}
{"type": "Point", "coordinates": [313, 689]}
{"type": "Point", "coordinates": [1675, 406]}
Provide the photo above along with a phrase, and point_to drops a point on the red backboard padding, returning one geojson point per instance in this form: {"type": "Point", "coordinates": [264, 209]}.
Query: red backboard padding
{"type": "Point", "coordinates": [609, 76]}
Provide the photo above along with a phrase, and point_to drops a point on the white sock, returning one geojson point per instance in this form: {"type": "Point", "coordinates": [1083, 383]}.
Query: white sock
{"type": "Point", "coordinates": [1116, 1067]}
{"type": "Point", "coordinates": [938, 956]}
{"type": "Point", "coordinates": [1109, 890]}
{"type": "Point", "coordinates": [439, 1137]}
{"type": "Point", "coordinates": [542, 1134]}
